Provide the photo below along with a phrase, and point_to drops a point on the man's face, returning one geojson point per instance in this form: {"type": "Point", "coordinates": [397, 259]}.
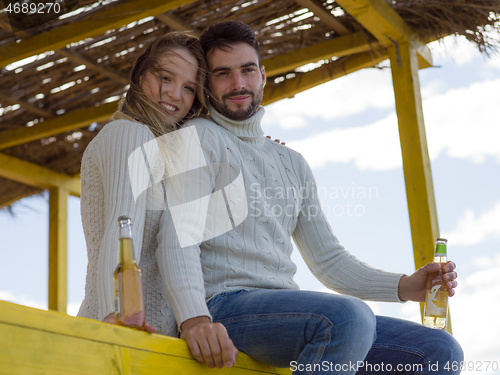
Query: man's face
{"type": "Point", "coordinates": [236, 81]}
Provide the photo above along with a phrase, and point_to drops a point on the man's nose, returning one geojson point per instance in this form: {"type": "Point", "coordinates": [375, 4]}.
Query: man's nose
{"type": "Point", "coordinates": [237, 82]}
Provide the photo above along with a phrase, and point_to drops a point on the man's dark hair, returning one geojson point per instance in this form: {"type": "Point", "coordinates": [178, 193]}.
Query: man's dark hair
{"type": "Point", "coordinates": [223, 34]}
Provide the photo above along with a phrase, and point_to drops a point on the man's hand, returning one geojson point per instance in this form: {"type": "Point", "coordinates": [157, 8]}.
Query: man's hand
{"type": "Point", "coordinates": [209, 342]}
{"type": "Point", "coordinates": [111, 319]}
{"type": "Point", "coordinates": [412, 288]}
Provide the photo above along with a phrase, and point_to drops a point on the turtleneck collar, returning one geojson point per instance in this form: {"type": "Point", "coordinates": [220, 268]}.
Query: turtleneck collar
{"type": "Point", "coordinates": [248, 130]}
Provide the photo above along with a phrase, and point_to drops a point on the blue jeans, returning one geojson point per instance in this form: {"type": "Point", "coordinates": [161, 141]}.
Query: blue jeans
{"type": "Point", "coordinates": [321, 333]}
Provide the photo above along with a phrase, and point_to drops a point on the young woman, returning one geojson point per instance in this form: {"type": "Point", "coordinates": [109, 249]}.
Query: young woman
{"type": "Point", "coordinates": [166, 89]}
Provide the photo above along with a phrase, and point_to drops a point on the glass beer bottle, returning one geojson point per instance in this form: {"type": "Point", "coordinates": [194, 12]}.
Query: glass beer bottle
{"type": "Point", "coordinates": [436, 295]}
{"type": "Point", "coordinates": [129, 302]}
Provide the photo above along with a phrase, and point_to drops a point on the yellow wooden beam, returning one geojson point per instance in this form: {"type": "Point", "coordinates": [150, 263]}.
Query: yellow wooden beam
{"type": "Point", "coordinates": [68, 121]}
{"type": "Point", "coordinates": [386, 25]}
{"type": "Point", "coordinates": [416, 162]}
{"type": "Point", "coordinates": [290, 87]}
{"type": "Point", "coordinates": [92, 26]}
{"type": "Point", "coordinates": [35, 175]}
{"type": "Point", "coordinates": [47, 342]}
{"type": "Point", "coordinates": [337, 47]}
{"type": "Point", "coordinates": [58, 249]}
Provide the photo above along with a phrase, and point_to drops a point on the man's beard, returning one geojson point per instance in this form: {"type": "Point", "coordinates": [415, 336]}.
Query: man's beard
{"type": "Point", "coordinates": [241, 113]}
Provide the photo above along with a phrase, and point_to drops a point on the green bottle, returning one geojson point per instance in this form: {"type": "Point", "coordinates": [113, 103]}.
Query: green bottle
{"type": "Point", "coordinates": [436, 295]}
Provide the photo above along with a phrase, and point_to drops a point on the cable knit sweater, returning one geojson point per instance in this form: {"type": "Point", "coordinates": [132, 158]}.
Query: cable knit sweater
{"type": "Point", "coordinates": [282, 203]}
{"type": "Point", "coordinates": [106, 194]}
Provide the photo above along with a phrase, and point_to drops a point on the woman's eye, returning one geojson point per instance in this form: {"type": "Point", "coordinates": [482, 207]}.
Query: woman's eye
{"type": "Point", "coordinates": [190, 89]}
{"type": "Point", "coordinates": [165, 78]}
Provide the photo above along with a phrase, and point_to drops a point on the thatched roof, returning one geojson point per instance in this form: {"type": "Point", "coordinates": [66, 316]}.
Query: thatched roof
{"type": "Point", "coordinates": [78, 64]}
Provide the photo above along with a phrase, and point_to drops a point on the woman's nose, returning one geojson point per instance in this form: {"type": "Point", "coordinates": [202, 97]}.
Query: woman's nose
{"type": "Point", "coordinates": [174, 92]}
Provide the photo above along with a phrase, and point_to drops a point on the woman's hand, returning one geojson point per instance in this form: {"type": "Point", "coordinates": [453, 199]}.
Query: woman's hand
{"type": "Point", "coordinates": [111, 319]}
{"type": "Point", "coordinates": [276, 140]}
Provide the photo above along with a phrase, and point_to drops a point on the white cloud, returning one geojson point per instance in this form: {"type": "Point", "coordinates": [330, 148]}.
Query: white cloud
{"type": "Point", "coordinates": [357, 92]}
{"type": "Point", "coordinates": [461, 122]}
{"type": "Point", "coordinates": [73, 308]}
{"type": "Point", "coordinates": [372, 147]}
{"type": "Point", "coordinates": [22, 300]}
{"type": "Point", "coordinates": [464, 122]}
{"type": "Point", "coordinates": [474, 316]}
{"type": "Point", "coordinates": [453, 48]}
{"type": "Point", "coordinates": [471, 230]}
{"type": "Point", "coordinates": [7, 296]}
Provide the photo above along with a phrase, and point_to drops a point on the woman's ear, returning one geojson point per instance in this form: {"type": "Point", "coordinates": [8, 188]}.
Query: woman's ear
{"type": "Point", "coordinates": [264, 78]}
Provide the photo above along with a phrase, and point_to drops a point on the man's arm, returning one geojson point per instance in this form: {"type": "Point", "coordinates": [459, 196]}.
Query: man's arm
{"type": "Point", "coordinates": [328, 260]}
{"type": "Point", "coordinates": [341, 271]}
{"type": "Point", "coordinates": [181, 231]}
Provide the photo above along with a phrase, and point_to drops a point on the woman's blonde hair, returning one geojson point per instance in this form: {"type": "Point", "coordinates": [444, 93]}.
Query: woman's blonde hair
{"type": "Point", "coordinates": [136, 106]}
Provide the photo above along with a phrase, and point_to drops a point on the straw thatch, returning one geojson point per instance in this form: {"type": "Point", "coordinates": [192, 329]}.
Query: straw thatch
{"type": "Point", "coordinates": [94, 71]}
{"type": "Point", "coordinates": [472, 19]}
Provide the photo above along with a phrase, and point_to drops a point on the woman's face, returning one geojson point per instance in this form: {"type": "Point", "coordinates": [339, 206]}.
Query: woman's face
{"type": "Point", "coordinates": [174, 85]}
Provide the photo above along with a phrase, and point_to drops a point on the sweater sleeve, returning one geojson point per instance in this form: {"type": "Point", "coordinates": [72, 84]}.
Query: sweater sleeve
{"type": "Point", "coordinates": [327, 259]}
{"type": "Point", "coordinates": [111, 155]}
{"type": "Point", "coordinates": [183, 225]}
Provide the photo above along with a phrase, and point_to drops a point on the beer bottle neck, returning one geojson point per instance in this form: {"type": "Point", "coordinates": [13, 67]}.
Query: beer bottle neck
{"type": "Point", "coordinates": [125, 231]}
{"type": "Point", "coordinates": [126, 252]}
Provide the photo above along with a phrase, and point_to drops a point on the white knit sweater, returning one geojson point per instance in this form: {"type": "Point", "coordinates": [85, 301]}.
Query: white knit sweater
{"type": "Point", "coordinates": [282, 203]}
{"type": "Point", "coordinates": [105, 195]}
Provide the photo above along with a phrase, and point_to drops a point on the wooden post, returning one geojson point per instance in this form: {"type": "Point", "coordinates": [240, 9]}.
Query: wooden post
{"type": "Point", "coordinates": [58, 247]}
{"type": "Point", "coordinates": [416, 162]}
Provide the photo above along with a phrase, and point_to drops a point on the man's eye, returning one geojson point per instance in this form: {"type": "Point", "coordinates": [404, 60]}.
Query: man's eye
{"type": "Point", "coordinates": [248, 70]}
{"type": "Point", "coordinates": [221, 74]}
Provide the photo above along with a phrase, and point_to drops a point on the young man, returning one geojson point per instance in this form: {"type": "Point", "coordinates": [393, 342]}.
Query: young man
{"type": "Point", "coordinates": [246, 274]}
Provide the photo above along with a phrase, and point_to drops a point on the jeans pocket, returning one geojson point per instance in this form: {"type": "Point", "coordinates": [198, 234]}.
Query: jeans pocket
{"type": "Point", "coordinates": [216, 302]}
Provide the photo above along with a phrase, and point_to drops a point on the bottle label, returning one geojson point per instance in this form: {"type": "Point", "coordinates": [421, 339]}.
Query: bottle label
{"type": "Point", "coordinates": [117, 305]}
{"type": "Point", "coordinates": [441, 248]}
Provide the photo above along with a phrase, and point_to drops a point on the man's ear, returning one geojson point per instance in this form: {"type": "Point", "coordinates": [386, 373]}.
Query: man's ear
{"type": "Point", "coordinates": [264, 77]}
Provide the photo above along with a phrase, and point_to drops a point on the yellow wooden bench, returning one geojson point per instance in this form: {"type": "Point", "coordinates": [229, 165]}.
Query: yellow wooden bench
{"type": "Point", "coordinates": [36, 341]}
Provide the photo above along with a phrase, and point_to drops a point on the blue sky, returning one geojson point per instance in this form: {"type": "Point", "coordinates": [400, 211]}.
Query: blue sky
{"type": "Point", "coordinates": [347, 130]}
